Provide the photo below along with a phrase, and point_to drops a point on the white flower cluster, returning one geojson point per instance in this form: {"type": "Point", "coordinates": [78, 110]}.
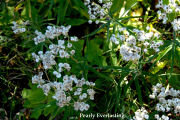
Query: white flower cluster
{"type": "Point", "coordinates": [129, 53]}
{"type": "Point", "coordinates": [60, 69]}
{"type": "Point", "coordinates": [40, 37]}
{"type": "Point", "coordinates": [81, 106]}
{"type": "Point", "coordinates": [168, 99]}
{"type": "Point", "coordinates": [51, 33]}
{"type": "Point", "coordinates": [166, 10]}
{"type": "Point", "coordinates": [176, 24]}
{"type": "Point", "coordinates": [47, 59]}
{"type": "Point", "coordinates": [156, 45]}
{"type": "Point", "coordinates": [141, 114]}
{"type": "Point", "coordinates": [97, 10]}
{"type": "Point", "coordinates": [132, 45]}
{"type": "Point", "coordinates": [163, 117]}
{"type": "Point", "coordinates": [70, 89]}
{"type": "Point", "coordinates": [63, 49]}
{"type": "Point", "coordinates": [37, 79]}
{"type": "Point", "coordinates": [19, 28]}
{"type": "Point", "coordinates": [114, 39]}
{"type": "Point", "coordinates": [64, 91]}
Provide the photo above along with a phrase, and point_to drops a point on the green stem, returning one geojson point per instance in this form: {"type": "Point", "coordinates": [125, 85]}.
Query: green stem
{"type": "Point", "coordinates": [173, 53]}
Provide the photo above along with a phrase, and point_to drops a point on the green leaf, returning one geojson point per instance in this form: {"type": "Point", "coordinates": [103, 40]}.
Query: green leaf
{"type": "Point", "coordinates": [80, 7]}
{"type": "Point", "coordinates": [173, 51]}
{"type": "Point", "coordinates": [100, 74]}
{"type": "Point", "coordinates": [129, 5]}
{"type": "Point", "coordinates": [62, 9]}
{"type": "Point", "coordinates": [159, 66]}
{"type": "Point", "coordinates": [177, 57]}
{"type": "Point", "coordinates": [32, 100]}
{"type": "Point", "coordinates": [97, 30]}
{"type": "Point", "coordinates": [172, 16]}
{"type": "Point", "coordinates": [38, 102]}
{"type": "Point", "coordinates": [114, 59]}
{"type": "Point", "coordinates": [116, 6]}
{"type": "Point", "coordinates": [75, 21]}
{"type": "Point", "coordinates": [36, 113]}
{"type": "Point", "coordinates": [114, 68]}
{"type": "Point", "coordinates": [98, 58]}
{"type": "Point", "coordinates": [49, 109]}
{"type": "Point", "coordinates": [138, 88]}
{"type": "Point", "coordinates": [162, 54]}
{"type": "Point", "coordinates": [165, 2]}
{"type": "Point", "coordinates": [28, 9]}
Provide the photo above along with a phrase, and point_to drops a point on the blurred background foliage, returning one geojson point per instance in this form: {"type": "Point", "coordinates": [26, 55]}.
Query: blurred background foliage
{"type": "Point", "coordinates": [102, 64]}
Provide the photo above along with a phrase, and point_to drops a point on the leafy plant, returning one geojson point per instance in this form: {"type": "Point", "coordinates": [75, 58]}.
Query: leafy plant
{"type": "Point", "coordinates": [123, 49]}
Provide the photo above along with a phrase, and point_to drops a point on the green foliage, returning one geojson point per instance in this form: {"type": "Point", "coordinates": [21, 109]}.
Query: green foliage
{"type": "Point", "coordinates": [40, 104]}
{"type": "Point", "coordinates": [94, 54]}
{"type": "Point", "coordinates": [121, 86]}
{"type": "Point", "coordinates": [117, 5]}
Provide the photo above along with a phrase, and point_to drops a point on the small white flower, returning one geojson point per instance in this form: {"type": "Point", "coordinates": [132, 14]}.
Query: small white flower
{"type": "Point", "coordinates": [147, 28]}
{"type": "Point", "coordinates": [72, 52]}
{"type": "Point", "coordinates": [97, 22]}
{"type": "Point", "coordinates": [69, 45]}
